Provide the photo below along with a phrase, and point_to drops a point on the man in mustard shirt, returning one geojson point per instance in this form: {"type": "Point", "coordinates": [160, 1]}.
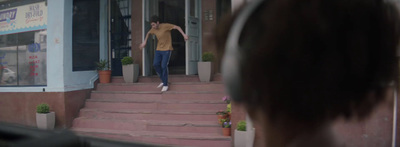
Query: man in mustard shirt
{"type": "Point", "coordinates": [164, 47]}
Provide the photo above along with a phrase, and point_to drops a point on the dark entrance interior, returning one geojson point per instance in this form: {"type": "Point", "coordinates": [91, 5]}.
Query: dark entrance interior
{"type": "Point", "coordinates": [173, 12]}
{"type": "Point", "coordinates": [120, 33]}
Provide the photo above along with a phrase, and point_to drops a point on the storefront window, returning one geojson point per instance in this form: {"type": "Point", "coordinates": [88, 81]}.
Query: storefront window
{"type": "Point", "coordinates": [23, 45]}
{"type": "Point", "coordinates": [85, 34]}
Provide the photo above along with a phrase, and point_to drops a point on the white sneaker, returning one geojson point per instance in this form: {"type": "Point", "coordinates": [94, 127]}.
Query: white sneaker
{"type": "Point", "coordinates": [164, 88]}
{"type": "Point", "coordinates": [161, 85]}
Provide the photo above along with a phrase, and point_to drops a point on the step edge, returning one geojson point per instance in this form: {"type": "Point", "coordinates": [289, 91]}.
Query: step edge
{"type": "Point", "coordinates": [129, 111]}
{"type": "Point", "coordinates": [159, 92]}
{"type": "Point", "coordinates": [173, 83]}
{"type": "Point", "coordinates": [155, 122]}
{"type": "Point", "coordinates": [155, 134]}
{"type": "Point", "coordinates": [109, 100]}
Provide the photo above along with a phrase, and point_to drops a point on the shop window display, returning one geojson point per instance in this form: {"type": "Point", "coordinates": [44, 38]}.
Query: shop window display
{"type": "Point", "coordinates": [23, 45]}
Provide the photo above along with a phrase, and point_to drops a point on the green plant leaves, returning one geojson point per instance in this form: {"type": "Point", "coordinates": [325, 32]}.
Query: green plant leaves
{"type": "Point", "coordinates": [43, 108]}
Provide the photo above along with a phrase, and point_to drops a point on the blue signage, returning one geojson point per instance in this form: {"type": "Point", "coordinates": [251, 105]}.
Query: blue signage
{"type": "Point", "coordinates": [8, 15]}
{"type": "Point", "coordinates": [34, 47]}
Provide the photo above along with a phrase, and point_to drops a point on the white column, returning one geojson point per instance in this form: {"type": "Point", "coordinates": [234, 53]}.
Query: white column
{"type": "Point", "coordinates": [55, 44]}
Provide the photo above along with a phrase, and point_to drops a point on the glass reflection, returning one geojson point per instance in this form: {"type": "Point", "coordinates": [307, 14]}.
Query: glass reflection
{"type": "Point", "coordinates": [23, 59]}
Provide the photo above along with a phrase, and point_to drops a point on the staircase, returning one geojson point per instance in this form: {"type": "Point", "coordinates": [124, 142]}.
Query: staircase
{"type": "Point", "coordinates": [140, 112]}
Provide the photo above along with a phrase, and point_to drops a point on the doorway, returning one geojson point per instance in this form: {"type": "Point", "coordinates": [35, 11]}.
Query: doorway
{"type": "Point", "coordinates": [120, 33]}
{"type": "Point", "coordinates": [173, 12]}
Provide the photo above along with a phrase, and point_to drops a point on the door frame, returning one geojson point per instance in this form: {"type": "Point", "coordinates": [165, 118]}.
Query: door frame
{"type": "Point", "coordinates": [199, 16]}
{"type": "Point", "coordinates": [114, 55]}
{"type": "Point", "coordinates": [187, 13]}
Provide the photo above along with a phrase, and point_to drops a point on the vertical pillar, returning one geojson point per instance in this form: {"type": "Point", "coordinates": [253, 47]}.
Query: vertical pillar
{"type": "Point", "coordinates": [55, 44]}
{"type": "Point", "coordinates": [103, 29]}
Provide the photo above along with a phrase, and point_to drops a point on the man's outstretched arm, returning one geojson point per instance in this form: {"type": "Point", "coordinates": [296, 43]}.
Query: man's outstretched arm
{"type": "Point", "coordinates": [141, 46]}
{"type": "Point", "coordinates": [180, 30]}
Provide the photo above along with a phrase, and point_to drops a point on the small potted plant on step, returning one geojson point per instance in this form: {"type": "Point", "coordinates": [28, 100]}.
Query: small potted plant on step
{"type": "Point", "coordinates": [226, 127]}
{"type": "Point", "coordinates": [221, 115]}
{"type": "Point", "coordinates": [104, 71]}
{"type": "Point", "coordinates": [240, 134]}
{"type": "Point", "coordinates": [243, 137]}
{"type": "Point", "coordinates": [227, 100]}
{"type": "Point", "coordinates": [130, 71]}
{"type": "Point", "coordinates": [44, 118]}
{"type": "Point", "coordinates": [205, 67]}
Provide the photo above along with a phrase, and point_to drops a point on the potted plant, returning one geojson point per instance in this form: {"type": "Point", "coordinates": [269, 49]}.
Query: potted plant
{"type": "Point", "coordinates": [44, 118]}
{"type": "Point", "coordinates": [226, 127]}
{"type": "Point", "coordinates": [243, 137]}
{"type": "Point", "coordinates": [227, 100]}
{"type": "Point", "coordinates": [104, 71]}
{"type": "Point", "coordinates": [228, 110]}
{"type": "Point", "coordinates": [130, 71]}
{"type": "Point", "coordinates": [221, 115]}
{"type": "Point", "coordinates": [205, 67]}
{"type": "Point", "coordinates": [240, 134]}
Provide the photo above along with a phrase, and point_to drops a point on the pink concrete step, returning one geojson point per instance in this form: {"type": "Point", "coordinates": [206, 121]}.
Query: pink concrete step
{"type": "Point", "coordinates": [149, 125]}
{"type": "Point", "coordinates": [160, 138]}
{"type": "Point", "coordinates": [186, 105]}
{"type": "Point", "coordinates": [149, 95]}
{"type": "Point", "coordinates": [192, 106]}
{"type": "Point", "coordinates": [133, 100]}
{"type": "Point", "coordinates": [171, 78]}
{"type": "Point", "coordinates": [120, 105]}
{"type": "Point", "coordinates": [156, 79]}
{"type": "Point", "coordinates": [157, 95]}
{"type": "Point", "coordinates": [193, 96]}
{"type": "Point", "coordinates": [148, 115]}
{"type": "Point", "coordinates": [187, 86]}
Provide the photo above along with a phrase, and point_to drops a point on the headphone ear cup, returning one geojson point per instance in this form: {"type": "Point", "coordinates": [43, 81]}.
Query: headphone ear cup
{"type": "Point", "coordinates": [231, 63]}
{"type": "Point", "coordinates": [231, 75]}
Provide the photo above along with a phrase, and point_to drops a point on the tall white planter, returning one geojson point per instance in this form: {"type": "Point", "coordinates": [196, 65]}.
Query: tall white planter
{"type": "Point", "coordinates": [45, 120]}
{"type": "Point", "coordinates": [240, 138]}
{"type": "Point", "coordinates": [130, 73]}
{"type": "Point", "coordinates": [251, 133]}
{"type": "Point", "coordinates": [205, 71]}
{"type": "Point", "coordinates": [244, 138]}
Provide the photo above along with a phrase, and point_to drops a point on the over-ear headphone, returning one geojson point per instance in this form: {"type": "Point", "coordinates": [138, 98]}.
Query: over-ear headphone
{"type": "Point", "coordinates": [232, 58]}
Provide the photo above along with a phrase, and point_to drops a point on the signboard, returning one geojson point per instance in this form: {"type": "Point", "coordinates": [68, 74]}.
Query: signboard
{"type": "Point", "coordinates": [23, 18]}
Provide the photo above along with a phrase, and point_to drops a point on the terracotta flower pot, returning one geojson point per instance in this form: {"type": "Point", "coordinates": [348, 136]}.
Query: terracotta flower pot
{"type": "Point", "coordinates": [226, 131]}
{"type": "Point", "coordinates": [221, 117]}
{"type": "Point", "coordinates": [104, 76]}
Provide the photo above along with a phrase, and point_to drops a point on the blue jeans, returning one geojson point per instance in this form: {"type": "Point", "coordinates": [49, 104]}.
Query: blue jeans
{"type": "Point", "coordinates": [161, 60]}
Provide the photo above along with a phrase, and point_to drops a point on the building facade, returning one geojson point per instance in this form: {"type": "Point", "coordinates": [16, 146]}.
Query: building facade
{"type": "Point", "coordinates": [48, 49]}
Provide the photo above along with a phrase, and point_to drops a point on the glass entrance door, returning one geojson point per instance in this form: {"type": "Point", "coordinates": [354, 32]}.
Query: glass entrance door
{"type": "Point", "coordinates": [120, 33]}
{"type": "Point", "coordinates": [193, 28]}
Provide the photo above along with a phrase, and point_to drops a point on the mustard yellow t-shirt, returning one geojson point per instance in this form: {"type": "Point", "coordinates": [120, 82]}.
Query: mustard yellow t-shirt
{"type": "Point", "coordinates": [163, 34]}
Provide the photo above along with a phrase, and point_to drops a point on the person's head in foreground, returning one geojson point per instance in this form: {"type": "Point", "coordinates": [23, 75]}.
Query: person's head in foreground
{"type": "Point", "coordinates": [298, 65]}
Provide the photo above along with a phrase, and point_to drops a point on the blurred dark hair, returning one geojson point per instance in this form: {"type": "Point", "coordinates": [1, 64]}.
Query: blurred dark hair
{"type": "Point", "coordinates": [314, 60]}
{"type": "Point", "coordinates": [154, 19]}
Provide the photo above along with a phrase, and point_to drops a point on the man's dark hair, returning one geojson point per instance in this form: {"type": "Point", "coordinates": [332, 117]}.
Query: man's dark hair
{"type": "Point", "coordinates": [312, 61]}
{"type": "Point", "coordinates": [155, 19]}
